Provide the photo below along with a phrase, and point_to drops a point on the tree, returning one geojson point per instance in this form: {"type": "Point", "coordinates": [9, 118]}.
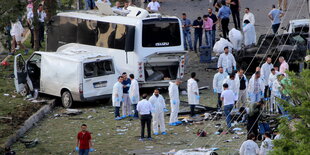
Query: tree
{"type": "Point", "coordinates": [295, 133]}
{"type": "Point", "coordinates": [10, 11]}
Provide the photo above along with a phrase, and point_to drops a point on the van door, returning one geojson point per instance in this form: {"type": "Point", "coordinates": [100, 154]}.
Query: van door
{"type": "Point", "coordinates": [99, 77]}
{"type": "Point", "coordinates": [20, 73]}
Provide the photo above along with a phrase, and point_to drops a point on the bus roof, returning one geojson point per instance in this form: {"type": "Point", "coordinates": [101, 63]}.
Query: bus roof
{"type": "Point", "coordinates": [94, 15]}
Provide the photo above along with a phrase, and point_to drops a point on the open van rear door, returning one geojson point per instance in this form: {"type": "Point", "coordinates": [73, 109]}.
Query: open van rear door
{"type": "Point", "coordinates": [20, 73]}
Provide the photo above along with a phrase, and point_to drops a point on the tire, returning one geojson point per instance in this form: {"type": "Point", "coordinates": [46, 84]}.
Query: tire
{"type": "Point", "coordinates": [66, 99]}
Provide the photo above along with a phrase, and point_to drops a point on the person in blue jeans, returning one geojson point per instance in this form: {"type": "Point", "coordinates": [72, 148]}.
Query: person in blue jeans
{"type": "Point", "coordinates": [275, 16]}
{"type": "Point", "coordinates": [186, 25]}
{"type": "Point", "coordinates": [197, 25]}
{"type": "Point", "coordinates": [215, 21]}
{"type": "Point", "coordinates": [228, 98]}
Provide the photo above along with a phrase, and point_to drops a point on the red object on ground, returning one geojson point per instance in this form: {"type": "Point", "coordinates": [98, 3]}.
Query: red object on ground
{"type": "Point", "coordinates": [4, 63]}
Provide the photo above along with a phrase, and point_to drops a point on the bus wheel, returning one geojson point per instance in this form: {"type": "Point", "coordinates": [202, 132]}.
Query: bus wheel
{"type": "Point", "coordinates": [66, 99]}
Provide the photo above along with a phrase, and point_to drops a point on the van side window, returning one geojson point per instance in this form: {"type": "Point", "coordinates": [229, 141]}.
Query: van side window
{"type": "Point", "coordinates": [99, 68]}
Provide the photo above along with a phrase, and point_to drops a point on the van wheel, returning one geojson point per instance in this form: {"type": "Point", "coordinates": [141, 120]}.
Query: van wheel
{"type": "Point", "coordinates": [66, 99]}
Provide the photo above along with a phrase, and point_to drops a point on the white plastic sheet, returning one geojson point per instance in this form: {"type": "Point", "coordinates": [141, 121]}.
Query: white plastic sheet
{"type": "Point", "coordinates": [235, 37]}
{"type": "Point", "coordinates": [221, 44]}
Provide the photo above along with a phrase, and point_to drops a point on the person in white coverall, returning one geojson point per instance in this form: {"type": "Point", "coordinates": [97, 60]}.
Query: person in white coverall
{"type": "Point", "coordinates": [192, 93]}
{"type": "Point", "coordinates": [275, 93]}
{"type": "Point", "coordinates": [158, 103]}
{"type": "Point", "coordinates": [266, 145]}
{"type": "Point", "coordinates": [249, 147]}
{"type": "Point", "coordinates": [235, 36]}
{"type": "Point", "coordinates": [265, 71]}
{"type": "Point", "coordinates": [227, 61]}
{"type": "Point", "coordinates": [243, 84]}
{"type": "Point", "coordinates": [134, 94]}
{"type": "Point", "coordinates": [218, 79]}
{"type": "Point", "coordinates": [174, 101]}
{"type": "Point", "coordinates": [117, 97]}
{"type": "Point", "coordinates": [249, 33]}
{"type": "Point", "coordinates": [233, 84]}
{"type": "Point", "coordinates": [256, 88]}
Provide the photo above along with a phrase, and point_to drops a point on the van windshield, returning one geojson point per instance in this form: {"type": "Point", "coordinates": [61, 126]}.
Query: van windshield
{"type": "Point", "coordinates": [98, 68]}
{"type": "Point", "coordinates": [161, 32]}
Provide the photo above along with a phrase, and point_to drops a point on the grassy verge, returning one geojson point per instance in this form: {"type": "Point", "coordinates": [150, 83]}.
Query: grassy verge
{"type": "Point", "coordinates": [12, 104]}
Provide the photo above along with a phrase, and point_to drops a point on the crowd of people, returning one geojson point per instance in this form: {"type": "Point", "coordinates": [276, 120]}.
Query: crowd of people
{"type": "Point", "coordinates": [211, 22]}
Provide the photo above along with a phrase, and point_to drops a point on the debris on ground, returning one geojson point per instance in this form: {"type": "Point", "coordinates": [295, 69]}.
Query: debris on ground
{"type": "Point", "coordinates": [72, 112]}
{"type": "Point", "coordinates": [197, 151]}
{"type": "Point", "coordinates": [203, 87]}
{"type": "Point", "coordinates": [30, 143]}
{"type": "Point", "coordinates": [38, 101]}
{"type": "Point", "coordinates": [6, 94]}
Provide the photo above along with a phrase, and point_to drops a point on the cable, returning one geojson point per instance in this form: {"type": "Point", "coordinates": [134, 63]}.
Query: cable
{"type": "Point", "coordinates": [290, 33]}
{"type": "Point", "coordinates": [263, 41]}
{"type": "Point", "coordinates": [275, 37]}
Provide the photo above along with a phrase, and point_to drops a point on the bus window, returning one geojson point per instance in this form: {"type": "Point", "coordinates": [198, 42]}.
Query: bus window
{"type": "Point", "coordinates": [120, 37]}
{"type": "Point", "coordinates": [87, 32]}
{"type": "Point", "coordinates": [67, 30]}
{"type": "Point", "coordinates": [161, 33]}
{"type": "Point", "coordinates": [106, 34]}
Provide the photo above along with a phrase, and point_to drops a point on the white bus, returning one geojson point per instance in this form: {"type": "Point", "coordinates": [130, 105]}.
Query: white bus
{"type": "Point", "coordinates": [149, 46]}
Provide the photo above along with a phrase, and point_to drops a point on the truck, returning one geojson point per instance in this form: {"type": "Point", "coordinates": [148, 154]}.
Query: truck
{"type": "Point", "coordinates": [75, 75]}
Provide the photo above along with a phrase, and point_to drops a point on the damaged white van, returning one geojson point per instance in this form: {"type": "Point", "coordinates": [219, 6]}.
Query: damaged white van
{"type": "Point", "coordinates": [74, 75]}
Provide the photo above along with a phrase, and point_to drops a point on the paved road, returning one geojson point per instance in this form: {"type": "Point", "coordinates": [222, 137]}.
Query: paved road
{"type": "Point", "coordinates": [260, 8]}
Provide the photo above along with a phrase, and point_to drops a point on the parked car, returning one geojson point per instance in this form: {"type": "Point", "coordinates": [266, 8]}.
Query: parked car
{"type": "Point", "coordinates": [291, 46]}
{"type": "Point", "coordinates": [72, 75]}
{"type": "Point", "coordinates": [297, 26]}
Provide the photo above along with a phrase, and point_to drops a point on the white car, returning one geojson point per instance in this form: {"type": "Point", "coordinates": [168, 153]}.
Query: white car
{"type": "Point", "coordinates": [297, 25]}
{"type": "Point", "coordinates": [78, 75]}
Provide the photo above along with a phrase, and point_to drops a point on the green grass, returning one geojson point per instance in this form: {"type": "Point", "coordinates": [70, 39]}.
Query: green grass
{"type": "Point", "coordinates": [12, 104]}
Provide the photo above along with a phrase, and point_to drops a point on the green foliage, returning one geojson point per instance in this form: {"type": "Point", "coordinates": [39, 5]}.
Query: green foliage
{"type": "Point", "coordinates": [10, 11]}
{"type": "Point", "coordinates": [295, 133]}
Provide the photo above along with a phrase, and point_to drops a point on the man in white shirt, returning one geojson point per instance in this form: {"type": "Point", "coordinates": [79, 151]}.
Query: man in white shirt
{"type": "Point", "coordinates": [227, 61]}
{"type": "Point", "coordinates": [144, 108]}
{"type": "Point", "coordinates": [192, 93]}
{"type": "Point", "coordinates": [228, 99]}
{"type": "Point", "coordinates": [134, 94]}
{"type": "Point", "coordinates": [256, 88]}
{"type": "Point", "coordinates": [284, 66]}
{"type": "Point", "coordinates": [265, 73]}
{"type": "Point", "coordinates": [117, 97]}
{"type": "Point", "coordinates": [233, 84]}
{"type": "Point", "coordinates": [41, 16]}
{"type": "Point", "coordinates": [117, 6]}
{"type": "Point", "coordinates": [174, 101]}
{"type": "Point", "coordinates": [158, 103]}
{"type": "Point", "coordinates": [218, 79]}
{"type": "Point", "coordinates": [248, 16]}
{"type": "Point", "coordinates": [153, 6]}
{"type": "Point", "coordinates": [266, 145]}
{"type": "Point", "coordinates": [249, 147]}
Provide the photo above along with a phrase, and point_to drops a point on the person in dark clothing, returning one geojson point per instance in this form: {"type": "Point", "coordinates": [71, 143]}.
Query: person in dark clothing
{"type": "Point", "coordinates": [197, 25]}
{"type": "Point", "coordinates": [223, 15]}
{"type": "Point", "coordinates": [254, 115]}
{"type": "Point", "coordinates": [144, 108]}
{"type": "Point", "coordinates": [215, 21]}
{"type": "Point", "coordinates": [235, 8]}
